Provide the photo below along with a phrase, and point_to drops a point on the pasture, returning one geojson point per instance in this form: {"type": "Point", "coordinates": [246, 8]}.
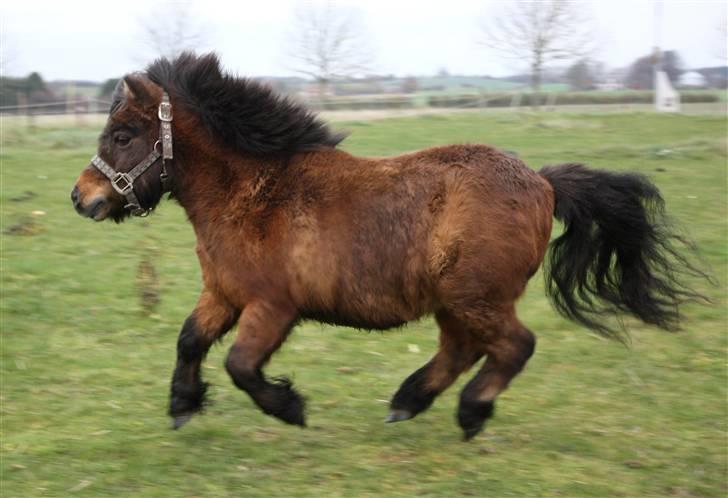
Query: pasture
{"type": "Point", "coordinates": [86, 368]}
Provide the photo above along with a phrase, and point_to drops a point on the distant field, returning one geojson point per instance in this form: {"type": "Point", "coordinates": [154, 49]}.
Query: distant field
{"type": "Point", "coordinates": [85, 372]}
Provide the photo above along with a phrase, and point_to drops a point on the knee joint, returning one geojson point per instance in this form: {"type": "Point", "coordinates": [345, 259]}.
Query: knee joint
{"type": "Point", "coordinates": [527, 343]}
{"type": "Point", "coordinates": [238, 367]}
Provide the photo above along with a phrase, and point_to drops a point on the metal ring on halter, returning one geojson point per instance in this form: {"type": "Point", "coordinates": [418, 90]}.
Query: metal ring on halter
{"type": "Point", "coordinates": [158, 142]}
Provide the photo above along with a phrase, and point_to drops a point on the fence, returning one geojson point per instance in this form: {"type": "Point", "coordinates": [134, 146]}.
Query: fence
{"type": "Point", "coordinates": [514, 100]}
{"type": "Point", "coordinates": [85, 106]}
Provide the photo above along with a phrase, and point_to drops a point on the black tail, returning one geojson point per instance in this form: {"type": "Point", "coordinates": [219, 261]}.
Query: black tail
{"type": "Point", "coordinates": [617, 253]}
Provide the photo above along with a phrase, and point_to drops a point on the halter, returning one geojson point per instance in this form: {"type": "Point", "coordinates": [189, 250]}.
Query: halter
{"type": "Point", "coordinates": [123, 183]}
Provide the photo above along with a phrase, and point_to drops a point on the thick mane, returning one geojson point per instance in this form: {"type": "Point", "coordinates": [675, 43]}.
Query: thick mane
{"type": "Point", "coordinates": [243, 113]}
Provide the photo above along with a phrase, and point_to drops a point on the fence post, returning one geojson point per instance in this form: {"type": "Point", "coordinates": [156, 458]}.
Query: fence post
{"type": "Point", "coordinates": [24, 109]}
{"type": "Point", "coordinates": [551, 101]}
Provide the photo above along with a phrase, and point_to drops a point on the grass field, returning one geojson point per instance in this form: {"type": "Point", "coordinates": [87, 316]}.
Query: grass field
{"type": "Point", "coordinates": [85, 370]}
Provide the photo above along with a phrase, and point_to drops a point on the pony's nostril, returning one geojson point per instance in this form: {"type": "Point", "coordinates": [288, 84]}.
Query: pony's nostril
{"type": "Point", "coordinates": [94, 208]}
{"type": "Point", "coordinates": [74, 195]}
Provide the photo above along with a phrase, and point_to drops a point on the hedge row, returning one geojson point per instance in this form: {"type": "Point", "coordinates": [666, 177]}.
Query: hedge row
{"type": "Point", "coordinates": [387, 102]}
{"type": "Point", "coordinates": [502, 100]}
{"type": "Point", "coordinates": [570, 98]}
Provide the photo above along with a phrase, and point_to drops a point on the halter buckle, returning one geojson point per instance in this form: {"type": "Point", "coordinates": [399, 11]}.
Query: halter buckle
{"type": "Point", "coordinates": [122, 183]}
{"type": "Point", "coordinates": [164, 113]}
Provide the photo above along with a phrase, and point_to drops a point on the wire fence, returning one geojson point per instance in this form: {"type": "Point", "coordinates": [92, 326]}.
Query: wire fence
{"type": "Point", "coordinates": [85, 106]}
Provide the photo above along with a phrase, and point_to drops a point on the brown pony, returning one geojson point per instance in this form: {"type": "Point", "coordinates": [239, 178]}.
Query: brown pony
{"type": "Point", "coordinates": [289, 228]}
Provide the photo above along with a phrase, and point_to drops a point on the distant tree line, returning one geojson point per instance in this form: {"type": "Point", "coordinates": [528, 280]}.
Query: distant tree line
{"type": "Point", "coordinates": [28, 90]}
{"type": "Point", "coordinates": [107, 88]}
{"type": "Point", "coordinates": [585, 74]}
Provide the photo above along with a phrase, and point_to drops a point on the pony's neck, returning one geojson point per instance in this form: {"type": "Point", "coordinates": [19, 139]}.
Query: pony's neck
{"type": "Point", "coordinates": [209, 179]}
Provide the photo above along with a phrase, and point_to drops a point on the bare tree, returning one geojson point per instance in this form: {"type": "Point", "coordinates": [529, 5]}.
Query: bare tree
{"type": "Point", "coordinates": [720, 38]}
{"type": "Point", "coordinates": [171, 29]}
{"type": "Point", "coordinates": [328, 42]}
{"type": "Point", "coordinates": [539, 33]}
{"type": "Point", "coordinates": [8, 52]}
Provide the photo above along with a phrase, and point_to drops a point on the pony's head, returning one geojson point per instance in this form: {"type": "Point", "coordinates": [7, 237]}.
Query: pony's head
{"type": "Point", "coordinates": [127, 175]}
{"type": "Point", "coordinates": [240, 114]}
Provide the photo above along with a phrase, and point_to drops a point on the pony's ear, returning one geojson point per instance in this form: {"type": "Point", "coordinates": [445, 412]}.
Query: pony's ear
{"type": "Point", "coordinates": [140, 89]}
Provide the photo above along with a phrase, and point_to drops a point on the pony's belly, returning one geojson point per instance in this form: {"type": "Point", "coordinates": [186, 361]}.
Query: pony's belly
{"type": "Point", "coordinates": [348, 320]}
{"type": "Point", "coordinates": [366, 310]}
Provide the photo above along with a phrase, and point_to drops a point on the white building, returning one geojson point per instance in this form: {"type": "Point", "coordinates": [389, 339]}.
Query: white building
{"type": "Point", "coordinates": [692, 79]}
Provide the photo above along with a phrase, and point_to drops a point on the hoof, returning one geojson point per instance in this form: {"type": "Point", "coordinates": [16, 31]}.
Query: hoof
{"type": "Point", "coordinates": [398, 416]}
{"type": "Point", "coordinates": [296, 418]}
{"type": "Point", "coordinates": [181, 420]}
{"type": "Point", "coordinates": [284, 403]}
{"type": "Point", "coordinates": [186, 399]}
{"type": "Point", "coordinates": [471, 432]}
{"type": "Point", "coordinates": [472, 416]}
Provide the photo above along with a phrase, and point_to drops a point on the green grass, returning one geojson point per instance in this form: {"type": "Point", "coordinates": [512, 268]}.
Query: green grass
{"type": "Point", "coordinates": [85, 372]}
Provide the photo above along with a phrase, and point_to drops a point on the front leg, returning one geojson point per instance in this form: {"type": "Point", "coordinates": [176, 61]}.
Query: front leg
{"type": "Point", "coordinates": [211, 318]}
{"type": "Point", "coordinates": [263, 328]}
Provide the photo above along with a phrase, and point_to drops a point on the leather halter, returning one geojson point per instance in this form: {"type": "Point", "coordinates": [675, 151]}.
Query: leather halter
{"type": "Point", "coordinates": [123, 183]}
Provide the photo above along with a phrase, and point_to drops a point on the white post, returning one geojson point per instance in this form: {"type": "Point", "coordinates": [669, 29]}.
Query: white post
{"type": "Point", "coordinates": [666, 98]}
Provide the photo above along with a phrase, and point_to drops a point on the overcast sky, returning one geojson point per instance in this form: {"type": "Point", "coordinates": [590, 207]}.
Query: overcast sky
{"type": "Point", "coordinates": [97, 40]}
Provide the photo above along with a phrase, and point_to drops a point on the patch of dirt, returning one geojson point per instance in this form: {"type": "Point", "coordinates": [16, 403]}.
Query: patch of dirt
{"type": "Point", "coordinates": [26, 227]}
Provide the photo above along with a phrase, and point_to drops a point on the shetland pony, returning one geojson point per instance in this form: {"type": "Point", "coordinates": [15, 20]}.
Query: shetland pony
{"type": "Point", "coordinates": [289, 227]}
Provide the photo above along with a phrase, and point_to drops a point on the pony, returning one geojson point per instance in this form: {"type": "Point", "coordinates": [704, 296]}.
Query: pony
{"type": "Point", "coordinates": [289, 227]}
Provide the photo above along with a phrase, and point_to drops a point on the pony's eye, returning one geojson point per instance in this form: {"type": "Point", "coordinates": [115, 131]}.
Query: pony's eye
{"type": "Point", "coordinates": [122, 140]}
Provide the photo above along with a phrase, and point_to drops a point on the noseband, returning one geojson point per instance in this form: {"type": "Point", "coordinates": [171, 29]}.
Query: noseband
{"type": "Point", "coordinates": [123, 183]}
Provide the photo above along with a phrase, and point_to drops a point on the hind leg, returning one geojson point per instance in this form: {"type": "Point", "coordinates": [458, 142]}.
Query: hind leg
{"type": "Point", "coordinates": [508, 352]}
{"type": "Point", "coordinates": [458, 351]}
{"type": "Point", "coordinates": [211, 318]}
{"type": "Point", "coordinates": [263, 328]}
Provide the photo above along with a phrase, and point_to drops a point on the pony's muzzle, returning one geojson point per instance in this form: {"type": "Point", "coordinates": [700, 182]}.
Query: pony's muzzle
{"type": "Point", "coordinates": [92, 196]}
{"type": "Point", "coordinates": [97, 209]}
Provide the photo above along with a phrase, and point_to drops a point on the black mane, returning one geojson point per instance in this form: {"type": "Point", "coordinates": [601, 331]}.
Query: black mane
{"type": "Point", "coordinates": [243, 113]}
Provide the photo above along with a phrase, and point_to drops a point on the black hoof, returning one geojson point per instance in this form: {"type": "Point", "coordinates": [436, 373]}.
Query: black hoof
{"type": "Point", "coordinates": [412, 398]}
{"type": "Point", "coordinates": [187, 400]}
{"type": "Point", "coordinates": [398, 416]}
{"type": "Point", "coordinates": [472, 416]}
{"type": "Point", "coordinates": [293, 412]}
{"type": "Point", "coordinates": [471, 432]}
{"type": "Point", "coordinates": [280, 400]}
{"type": "Point", "coordinates": [181, 420]}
